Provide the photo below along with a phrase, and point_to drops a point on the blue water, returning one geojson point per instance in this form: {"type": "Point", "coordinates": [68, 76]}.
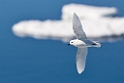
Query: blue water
{"type": "Point", "coordinates": [27, 60]}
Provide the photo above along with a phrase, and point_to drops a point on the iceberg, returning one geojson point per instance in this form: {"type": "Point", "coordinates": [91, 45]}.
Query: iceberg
{"type": "Point", "coordinates": [99, 23]}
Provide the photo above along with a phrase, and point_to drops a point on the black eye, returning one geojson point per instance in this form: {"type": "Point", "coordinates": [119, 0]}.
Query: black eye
{"type": "Point", "coordinates": [71, 42]}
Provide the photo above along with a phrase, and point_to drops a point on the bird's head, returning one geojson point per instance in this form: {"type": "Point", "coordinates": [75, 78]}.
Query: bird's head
{"type": "Point", "coordinates": [76, 42]}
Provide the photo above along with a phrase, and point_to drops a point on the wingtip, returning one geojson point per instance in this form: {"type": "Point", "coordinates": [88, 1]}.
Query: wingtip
{"type": "Point", "coordinates": [74, 14]}
{"type": "Point", "coordinates": [79, 72]}
{"type": "Point", "coordinates": [75, 17]}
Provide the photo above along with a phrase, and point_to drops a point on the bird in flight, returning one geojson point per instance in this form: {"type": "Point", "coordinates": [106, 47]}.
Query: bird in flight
{"type": "Point", "coordinates": [82, 43]}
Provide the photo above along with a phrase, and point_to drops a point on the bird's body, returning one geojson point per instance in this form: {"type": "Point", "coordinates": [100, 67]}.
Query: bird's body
{"type": "Point", "coordinates": [82, 43]}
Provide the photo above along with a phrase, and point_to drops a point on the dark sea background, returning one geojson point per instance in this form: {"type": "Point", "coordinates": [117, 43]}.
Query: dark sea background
{"type": "Point", "coordinates": [29, 60]}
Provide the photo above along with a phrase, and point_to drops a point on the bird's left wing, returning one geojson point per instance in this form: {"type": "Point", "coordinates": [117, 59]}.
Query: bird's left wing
{"type": "Point", "coordinates": [81, 59]}
{"type": "Point", "coordinates": [77, 28]}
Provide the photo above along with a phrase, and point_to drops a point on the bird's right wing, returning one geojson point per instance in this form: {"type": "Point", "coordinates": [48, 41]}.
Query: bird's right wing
{"type": "Point", "coordinates": [77, 28]}
{"type": "Point", "coordinates": [81, 59]}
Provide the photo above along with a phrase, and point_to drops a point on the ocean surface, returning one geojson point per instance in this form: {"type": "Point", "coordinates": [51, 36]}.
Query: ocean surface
{"type": "Point", "coordinates": [29, 60]}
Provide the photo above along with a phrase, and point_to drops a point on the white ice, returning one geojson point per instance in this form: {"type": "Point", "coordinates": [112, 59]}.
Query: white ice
{"type": "Point", "coordinates": [99, 23]}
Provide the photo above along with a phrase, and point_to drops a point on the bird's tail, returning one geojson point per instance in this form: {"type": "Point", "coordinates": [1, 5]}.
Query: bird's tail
{"type": "Point", "coordinates": [97, 43]}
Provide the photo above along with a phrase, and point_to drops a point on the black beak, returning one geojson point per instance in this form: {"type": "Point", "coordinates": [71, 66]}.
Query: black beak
{"type": "Point", "coordinates": [68, 44]}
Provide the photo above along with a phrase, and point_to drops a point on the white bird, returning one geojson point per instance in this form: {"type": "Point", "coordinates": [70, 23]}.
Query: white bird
{"type": "Point", "coordinates": [82, 43]}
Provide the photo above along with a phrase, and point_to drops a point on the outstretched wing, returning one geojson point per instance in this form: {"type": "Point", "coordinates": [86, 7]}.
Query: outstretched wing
{"type": "Point", "coordinates": [80, 59]}
{"type": "Point", "coordinates": [77, 28]}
